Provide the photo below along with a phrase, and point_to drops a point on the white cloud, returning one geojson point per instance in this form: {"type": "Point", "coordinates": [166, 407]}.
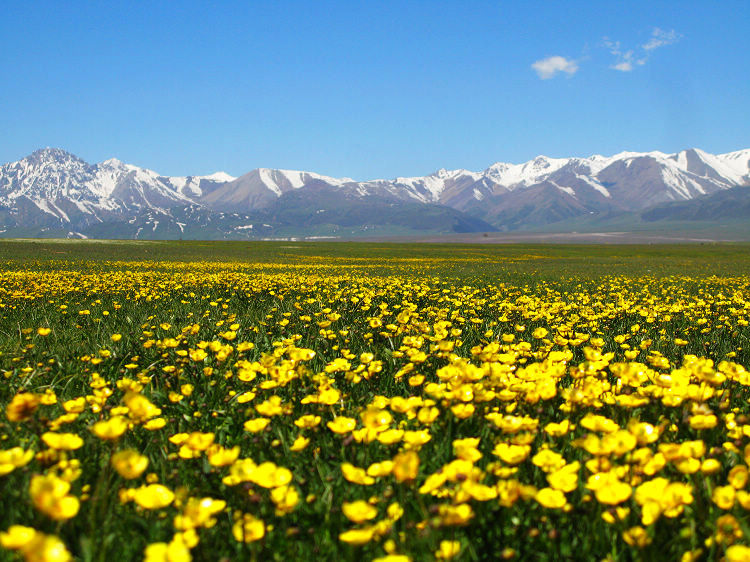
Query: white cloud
{"type": "Point", "coordinates": [624, 66]}
{"type": "Point", "coordinates": [551, 66]}
{"type": "Point", "coordinates": [626, 61]}
{"type": "Point", "coordinates": [661, 38]}
{"type": "Point", "coordinates": [613, 46]}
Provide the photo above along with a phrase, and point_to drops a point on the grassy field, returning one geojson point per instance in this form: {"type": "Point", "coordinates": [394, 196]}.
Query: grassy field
{"type": "Point", "coordinates": [298, 401]}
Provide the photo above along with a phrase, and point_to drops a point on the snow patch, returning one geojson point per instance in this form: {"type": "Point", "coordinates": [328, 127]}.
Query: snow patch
{"type": "Point", "coordinates": [528, 173]}
{"type": "Point", "coordinates": [596, 185]}
{"type": "Point", "coordinates": [569, 190]}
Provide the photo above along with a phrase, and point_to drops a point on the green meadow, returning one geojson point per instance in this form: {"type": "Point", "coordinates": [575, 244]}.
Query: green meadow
{"type": "Point", "coordinates": [369, 401]}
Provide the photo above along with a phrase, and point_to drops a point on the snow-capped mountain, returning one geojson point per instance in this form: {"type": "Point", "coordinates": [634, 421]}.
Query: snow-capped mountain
{"type": "Point", "coordinates": [69, 190]}
{"type": "Point", "coordinates": [52, 187]}
{"type": "Point", "coordinates": [628, 180]}
{"type": "Point", "coordinates": [261, 187]}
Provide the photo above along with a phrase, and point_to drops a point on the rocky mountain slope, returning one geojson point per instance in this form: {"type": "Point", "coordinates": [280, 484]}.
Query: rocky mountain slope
{"type": "Point", "coordinates": [52, 192]}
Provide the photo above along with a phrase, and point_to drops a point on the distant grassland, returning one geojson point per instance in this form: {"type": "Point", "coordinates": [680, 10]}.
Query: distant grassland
{"type": "Point", "coordinates": [176, 401]}
{"type": "Point", "coordinates": [471, 260]}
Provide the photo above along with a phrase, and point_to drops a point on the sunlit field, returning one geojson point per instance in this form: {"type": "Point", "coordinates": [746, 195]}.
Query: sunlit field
{"type": "Point", "coordinates": [294, 401]}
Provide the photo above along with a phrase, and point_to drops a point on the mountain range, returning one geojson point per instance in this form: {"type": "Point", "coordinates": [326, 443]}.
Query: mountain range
{"type": "Point", "coordinates": [54, 193]}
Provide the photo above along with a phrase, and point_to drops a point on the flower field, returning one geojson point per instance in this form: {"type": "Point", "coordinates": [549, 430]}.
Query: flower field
{"type": "Point", "coordinates": [309, 403]}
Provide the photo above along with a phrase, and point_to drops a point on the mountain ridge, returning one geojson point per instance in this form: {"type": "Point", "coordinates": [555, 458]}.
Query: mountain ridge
{"type": "Point", "coordinates": [53, 188]}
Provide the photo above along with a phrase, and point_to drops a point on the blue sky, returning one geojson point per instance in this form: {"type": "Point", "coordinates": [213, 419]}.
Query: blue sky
{"type": "Point", "coordinates": [370, 89]}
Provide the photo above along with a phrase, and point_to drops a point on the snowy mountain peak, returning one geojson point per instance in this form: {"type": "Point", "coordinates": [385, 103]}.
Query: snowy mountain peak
{"type": "Point", "coordinates": [541, 161]}
{"type": "Point", "coordinates": [221, 177]}
{"type": "Point", "coordinates": [738, 162]}
{"type": "Point", "coordinates": [53, 186]}
{"type": "Point", "coordinates": [51, 154]}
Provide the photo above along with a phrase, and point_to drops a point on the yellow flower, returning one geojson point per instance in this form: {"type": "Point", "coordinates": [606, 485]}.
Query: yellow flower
{"type": "Point", "coordinates": [299, 443]}
{"type": "Point", "coordinates": [478, 491]}
{"type": "Point", "coordinates": [140, 408]}
{"type": "Point", "coordinates": [285, 498]}
{"type": "Point", "coordinates": [613, 492]}
{"type": "Point", "coordinates": [174, 551]}
{"type": "Point", "coordinates": [219, 456]}
{"type": "Point", "coordinates": [405, 466]}
{"type": "Point", "coordinates": [738, 553]}
{"type": "Point", "coordinates": [22, 406]}
{"type": "Point", "coordinates": [229, 335]}
{"type": "Point", "coordinates": [256, 425]}
{"type": "Point", "coordinates": [395, 511]}
{"type": "Point", "coordinates": [44, 331]}
{"type": "Point", "coordinates": [359, 511]}
{"type": "Point", "coordinates": [75, 406]}
{"type": "Point", "coordinates": [245, 397]}
{"type": "Point", "coordinates": [619, 442]}
{"type": "Point", "coordinates": [710, 466]}
{"type": "Point", "coordinates": [511, 454]}
{"type": "Point", "coordinates": [455, 514]}
{"type": "Point", "coordinates": [329, 396]}
{"type": "Point", "coordinates": [376, 418]}
{"type": "Point", "coordinates": [241, 471]}
{"type": "Point", "coordinates": [433, 482]}
{"type": "Point", "coordinates": [743, 498]}
{"type": "Point", "coordinates": [636, 536]}
{"type": "Point", "coordinates": [14, 458]}
{"type": "Point", "coordinates": [248, 529]}
{"type": "Point", "coordinates": [198, 512]}
{"type": "Point", "coordinates": [357, 536]}
{"type": "Point", "coordinates": [390, 436]}
{"type": "Point", "coordinates": [112, 428]}
{"type": "Point", "coordinates": [154, 424]}
{"type": "Point", "coordinates": [268, 475]}
{"type": "Point", "coordinates": [153, 496]}
{"type": "Point", "coordinates": [378, 469]}
{"type": "Point", "coordinates": [463, 411]}
{"type": "Point", "coordinates": [723, 496]}
{"type": "Point", "coordinates": [199, 441]}
{"type": "Point", "coordinates": [548, 460]}
{"type": "Point", "coordinates": [595, 422]}
{"type": "Point", "coordinates": [62, 441]}
{"type": "Point", "coordinates": [659, 496]}
{"type": "Point", "coordinates": [557, 429]}
{"type": "Point", "coordinates": [703, 421]}
{"type": "Point", "coordinates": [307, 421]}
{"type": "Point", "coordinates": [550, 498]}
{"type": "Point", "coordinates": [342, 424]}
{"type": "Point", "coordinates": [271, 407]}
{"type": "Point", "coordinates": [566, 478]}
{"type": "Point", "coordinates": [129, 463]}
{"type": "Point", "coordinates": [417, 438]}
{"type": "Point", "coordinates": [17, 537]}
{"type": "Point", "coordinates": [197, 355]}
{"type": "Point", "coordinates": [448, 549]}
{"type": "Point", "coordinates": [35, 546]}
{"type": "Point", "coordinates": [356, 475]}
{"type": "Point", "coordinates": [738, 476]}
{"type": "Point", "coordinates": [50, 496]}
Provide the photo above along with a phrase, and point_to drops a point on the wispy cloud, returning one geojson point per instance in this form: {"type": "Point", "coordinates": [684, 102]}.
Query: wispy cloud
{"type": "Point", "coordinates": [627, 60]}
{"type": "Point", "coordinates": [552, 66]}
{"type": "Point", "coordinates": [661, 38]}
